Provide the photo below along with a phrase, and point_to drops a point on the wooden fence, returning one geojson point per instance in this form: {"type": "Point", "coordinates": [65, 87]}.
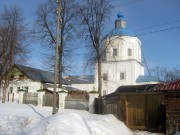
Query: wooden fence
{"type": "Point", "coordinates": [136, 110]}
{"type": "Point", "coordinates": [48, 99]}
{"type": "Point", "coordinates": [30, 98]}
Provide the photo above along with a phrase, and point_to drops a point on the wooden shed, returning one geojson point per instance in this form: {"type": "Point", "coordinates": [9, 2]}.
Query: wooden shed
{"type": "Point", "coordinates": [138, 106]}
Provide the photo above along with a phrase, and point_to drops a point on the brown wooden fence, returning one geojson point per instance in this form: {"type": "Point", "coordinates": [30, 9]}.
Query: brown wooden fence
{"type": "Point", "coordinates": [30, 98]}
{"type": "Point", "coordinates": [136, 110]}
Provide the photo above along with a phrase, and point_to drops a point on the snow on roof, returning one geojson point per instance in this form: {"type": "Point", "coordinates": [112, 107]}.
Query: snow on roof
{"type": "Point", "coordinates": [37, 74]}
{"type": "Point", "coordinates": [85, 79]}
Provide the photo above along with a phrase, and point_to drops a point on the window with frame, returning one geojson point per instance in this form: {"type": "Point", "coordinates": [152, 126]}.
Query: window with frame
{"type": "Point", "coordinates": [11, 77]}
{"type": "Point", "coordinates": [21, 77]}
{"type": "Point", "coordinates": [114, 52]}
{"type": "Point", "coordinates": [26, 89]}
{"type": "Point", "coordinates": [11, 90]}
{"type": "Point", "coordinates": [122, 76]}
{"type": "Point", "coordinates": [129, 52]}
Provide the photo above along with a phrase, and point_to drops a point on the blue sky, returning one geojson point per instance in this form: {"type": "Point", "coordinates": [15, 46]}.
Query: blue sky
{"type": "Point", "coordinates": [160, 48]}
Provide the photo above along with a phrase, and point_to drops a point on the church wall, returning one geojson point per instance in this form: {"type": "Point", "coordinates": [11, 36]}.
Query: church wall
{"type": "Point", "coordinates": [122, 44]}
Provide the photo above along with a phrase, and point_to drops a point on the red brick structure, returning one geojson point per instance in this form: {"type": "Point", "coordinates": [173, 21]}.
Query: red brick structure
{"type": "Point", "coordinates": [172, 105]}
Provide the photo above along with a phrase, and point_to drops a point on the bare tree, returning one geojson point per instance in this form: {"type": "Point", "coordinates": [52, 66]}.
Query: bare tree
{"type": "Point", "coordinates": [94, 15]}
{"type": "Point", "coordinates": [13, 33]}
{"type": "Point", "coordinates": [165, 74]}
{"type": "Point", "coordinates": [45, 30]}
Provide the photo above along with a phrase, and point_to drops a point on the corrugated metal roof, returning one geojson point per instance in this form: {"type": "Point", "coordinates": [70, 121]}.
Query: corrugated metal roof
{"type": "Point", "coordinates": [173, 86]}
{"type": "Point", "coordinates": [135, 88]}
{"type": "Point", "coordinates": [85, 79]}
{"type": "Point", "coordinates": [142, 78]}
{"type": "Point", "coordinates": [37, 74]}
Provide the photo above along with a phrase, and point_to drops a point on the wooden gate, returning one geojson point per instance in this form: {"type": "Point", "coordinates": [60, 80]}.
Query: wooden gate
{"type": "Point", "coordinates": [136, 110]}
{"type": "Point", "coordinates": [48, 99]}
{"type": "Point", "coordinates": [30, 98]}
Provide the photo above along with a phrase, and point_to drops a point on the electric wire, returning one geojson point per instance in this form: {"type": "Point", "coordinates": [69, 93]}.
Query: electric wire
{"type": "Point", "coordinates": [128, 3]}
{"type": "Point", "coordinates": [157, 25]}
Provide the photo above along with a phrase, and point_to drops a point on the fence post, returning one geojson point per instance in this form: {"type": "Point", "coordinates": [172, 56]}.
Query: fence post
{"type": "Point", "coordinates": [92, 95]}
{"type": "Point", "coordinates": [21, 93]}
{"type": "Point", "coordinates": [62, 96]}
{"type": "Point", "coordinates": [40, 97]}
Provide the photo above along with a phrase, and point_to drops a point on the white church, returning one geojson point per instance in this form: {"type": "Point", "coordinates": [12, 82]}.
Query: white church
{"type": "Point", "coordinates": [121, 65]}
{"type": "Point", "coordinates": [121, 62]}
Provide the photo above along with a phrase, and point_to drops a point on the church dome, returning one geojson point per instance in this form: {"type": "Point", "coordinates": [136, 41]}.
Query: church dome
{"type": "Point", "coordinates": [120, 27]}
{"type": "Point", "coordinates": [121, 32]}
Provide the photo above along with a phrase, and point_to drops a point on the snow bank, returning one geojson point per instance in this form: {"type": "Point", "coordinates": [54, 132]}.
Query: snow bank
{"type": "Point", "coordinates": [71, 122]}
{"type": "Point", "coordinates": [21, 119]}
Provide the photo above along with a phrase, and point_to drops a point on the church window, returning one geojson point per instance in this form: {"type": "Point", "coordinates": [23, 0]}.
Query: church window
{"type": "Point", "coordinates": [122, 76]}
{"type": "Point", "coordinates": [129, 52]}
{"type": "Point", "coordinates": [114, 52]}
{"type": "Point", "coordinates": [104, 76]}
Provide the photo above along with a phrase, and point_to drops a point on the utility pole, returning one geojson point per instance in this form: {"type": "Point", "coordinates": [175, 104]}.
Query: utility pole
{"type": "Point", "coordinates": [56, 58]}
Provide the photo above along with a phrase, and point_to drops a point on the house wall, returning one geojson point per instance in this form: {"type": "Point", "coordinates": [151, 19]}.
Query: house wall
{"type": "Point", "coordinates": [172, 105]}
{"type": "Point", "coordinates": [32, 87]}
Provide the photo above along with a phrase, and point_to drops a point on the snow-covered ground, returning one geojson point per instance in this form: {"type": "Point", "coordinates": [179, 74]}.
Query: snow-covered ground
{"type": "Point", "coordinates": [23, 119]}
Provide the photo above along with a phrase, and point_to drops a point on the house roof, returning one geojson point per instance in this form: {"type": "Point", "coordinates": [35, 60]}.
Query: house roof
{"type": "Point", "coordinates": [173, 86]}
{"type": "Point", "coordinates": [142, 78]}
{"type": "Point", "coordinates": [37, 74]}
{"type": "Point", "coordinates": [135, 88]}
{"type": "Point", "coordinates": [85, 79]}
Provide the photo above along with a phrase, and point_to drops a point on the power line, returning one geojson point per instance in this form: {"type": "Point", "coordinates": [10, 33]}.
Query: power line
{"type": "Point", "coordinates": [158, 25]}
{"type": "Point", "coordinates": [131, 2]}
{"type": "Point", "coordinates": [158, 31]}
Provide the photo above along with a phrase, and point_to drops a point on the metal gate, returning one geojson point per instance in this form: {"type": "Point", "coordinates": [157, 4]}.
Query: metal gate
{"type": "Point", "coordinates": [30, 98]}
